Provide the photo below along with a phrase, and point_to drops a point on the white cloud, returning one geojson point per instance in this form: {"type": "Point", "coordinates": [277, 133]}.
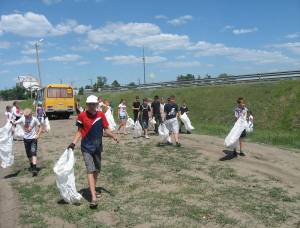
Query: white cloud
{"type": "Point", "coordinates": [291, 46]}
{"type": "Point", "coordinates": [184, 64]}
{"type": "Point", "coordinates": [161, 17]}
{"type": "Point", "coordinates": [132, 59]}
{"type": "Point", "coordinates": [122, 32]}
{"type": "Point", "coordinates": [37, 25]}
{"type": "Point", "coordinates": [65, 58]}
{"type": "Point", "coordinates": [4, 44]}
{"type": "Point", "coordinates": [293, 35]}
{"type": "Point", "coordinates": [23, 60]}
{"type": "Point", "coordinates": [244, 30]}
{"type": "Point", "coordinates": [82, 28]}
{"type": "Point", "coordinates": [50, 2]}
{"type": "Point", "coordinates": [161, 42]}
{"type": "Point", "coordinates": [203, 48]}
{"type": "Point", "coordinates": [227, 27]}
{"type": "Point", "coordinates": [180, 20]}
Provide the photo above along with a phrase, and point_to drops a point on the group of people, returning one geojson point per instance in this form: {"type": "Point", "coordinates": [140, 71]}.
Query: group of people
{"type": "Point", "coordinates": [156, 111]}
{"type": "Point", "coordinates": [31, 127]}
{"type": "Point", "coordinates": [92, 124]}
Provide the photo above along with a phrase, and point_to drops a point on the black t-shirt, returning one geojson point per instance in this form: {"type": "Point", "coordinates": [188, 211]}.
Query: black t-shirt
{"type": "Point", "coordinates": [171, 111]}
{"type": "Point", "coordinates": [156, 107]}
{"type": "Point", "coordinates": [136, 104]}
{"type": "Point", "coordinates": [145, 109]}
{"type": "Point", "coordinates": [183, 109]}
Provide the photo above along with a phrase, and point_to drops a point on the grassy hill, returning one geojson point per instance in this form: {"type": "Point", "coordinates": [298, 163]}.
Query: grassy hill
{"type": "Point", "coordinates": [276, 108]}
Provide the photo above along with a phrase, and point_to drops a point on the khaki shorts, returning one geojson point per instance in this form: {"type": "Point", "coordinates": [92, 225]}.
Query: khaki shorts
{"type": "Point", "coordinates": [92, 161]}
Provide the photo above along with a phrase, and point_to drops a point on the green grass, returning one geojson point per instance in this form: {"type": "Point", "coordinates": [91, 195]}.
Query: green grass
{"type": "Point", "coordinates": [275, 106]}
{"type": "Point", "coordinates": [159, 186]}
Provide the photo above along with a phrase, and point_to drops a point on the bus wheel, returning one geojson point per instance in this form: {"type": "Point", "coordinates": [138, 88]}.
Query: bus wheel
{"type": "Point", "coordinates": [66, 116]}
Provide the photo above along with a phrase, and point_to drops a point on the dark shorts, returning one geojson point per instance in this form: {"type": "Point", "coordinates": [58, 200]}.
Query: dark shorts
{"type": "Point", "coordinates": [92, 161]}
{"type": "Point", "coordinates": [244, 134]}
{"type": "Point", "coordinates": [122, 117]}
{"type": "Point", "coordinates": [30, 147]}
{"type": "Point", "coordinates": [145, 123]}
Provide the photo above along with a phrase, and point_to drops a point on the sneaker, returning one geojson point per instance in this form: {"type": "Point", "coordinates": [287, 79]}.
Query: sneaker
{"type": "Point", "coordinates": [147, 137]}
{"type": "Point", "coordinates": [34, 173]}
{"type": "Point", "coordinates": [242, 154]}
{"type": "Point", "coordinates": [178, 144]}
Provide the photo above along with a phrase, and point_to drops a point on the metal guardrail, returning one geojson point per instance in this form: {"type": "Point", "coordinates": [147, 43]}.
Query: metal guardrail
{"type": "Point", "coordinates": [247, 78]}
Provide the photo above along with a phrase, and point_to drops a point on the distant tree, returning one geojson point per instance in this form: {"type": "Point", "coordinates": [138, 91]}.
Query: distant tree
{"type": "Point", "coordinates": [87, 87]}
{"type": "Point", "coordinates": [223, 76]}
{"type": "Point", "coordinates": [16, 93]}
{"type": "Point", "coordinates": [185, 77]}
{"type": "Point", "coordinates": [207, 76]}
{"type": "Point", "coordinates": [100, 83]}
{"type": "Point", "coordinates": [132, 84]}
{"type": "Point", "coordinates": [115, 84]}
{"type": "Point", "coordinates": [80, 91]}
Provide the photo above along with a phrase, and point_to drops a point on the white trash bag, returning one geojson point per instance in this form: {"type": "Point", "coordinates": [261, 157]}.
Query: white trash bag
{"type": "Point", "coordinates": [47, 125]}
{"type": "Point", "coordinates": [6, 142]}
{"type": "Point", "coordinates": [110, 119]}
{"type": "Point", "coordinates": [164, 133]}
{"type": "Point", "coordinates": [152, 122]}
{"type": "Point", "coordinates": [186, 121]}
{"type": "Point", "coordinates": [18, 132]}
{"type": "Point", "coordinates": [129, 123]}
{"type": "Point", "coordinates": [137, 130]}
{"type": "Point", "coordinates": [249, 127]}
{"type": "Point", "coordinates": [232, 138]}
{"type": "Point", "coordinates": [65, 179]}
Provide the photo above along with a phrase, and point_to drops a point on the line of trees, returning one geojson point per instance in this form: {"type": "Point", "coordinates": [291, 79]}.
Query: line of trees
{"type": "Point", "coordinates": [16, 93]}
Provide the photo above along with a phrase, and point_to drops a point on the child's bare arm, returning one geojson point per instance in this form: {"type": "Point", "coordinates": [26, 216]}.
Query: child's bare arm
{"type": "Point", "coordinates": [111, 135]}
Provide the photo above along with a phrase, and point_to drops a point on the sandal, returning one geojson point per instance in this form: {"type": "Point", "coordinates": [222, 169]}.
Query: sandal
{"type": "Point", "coordinates": [93, 204]}
{"type": "Point", "coordinates": [98, 195]}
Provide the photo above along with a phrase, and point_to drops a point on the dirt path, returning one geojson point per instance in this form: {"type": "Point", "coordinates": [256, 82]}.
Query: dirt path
{"type": "Point", "coordinates": [262, 161]}
{"type": "Point", "coordinates": [9, 205]}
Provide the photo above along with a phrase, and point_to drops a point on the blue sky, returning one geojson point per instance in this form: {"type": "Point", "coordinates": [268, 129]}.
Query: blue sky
{"type": "Point", "coordinates": [86, 38]}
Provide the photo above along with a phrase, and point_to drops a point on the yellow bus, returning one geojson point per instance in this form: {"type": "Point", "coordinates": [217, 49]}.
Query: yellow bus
{"type": "Point", "coordinates": [57, 99]}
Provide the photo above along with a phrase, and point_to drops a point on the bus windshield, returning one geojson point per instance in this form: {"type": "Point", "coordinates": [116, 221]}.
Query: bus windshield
{"type": "Point", "coordinates": [60, 93]}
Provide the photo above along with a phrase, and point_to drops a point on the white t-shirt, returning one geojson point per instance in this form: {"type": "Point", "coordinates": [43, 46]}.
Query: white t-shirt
{"type": "Point", "coordinates": [9, 116]}
{"type": "Point", "coordinates": [122, 109]}
{"type": "Point", "coordinates": [30, 127]}
{"type": "Point", "coordinates": [15, 112]}
{"type": "Point", "coordinates": [100, 105]}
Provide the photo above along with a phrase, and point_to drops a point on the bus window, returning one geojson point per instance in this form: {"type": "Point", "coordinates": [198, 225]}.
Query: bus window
{"type": "Point", "coordinates": [60, 93]}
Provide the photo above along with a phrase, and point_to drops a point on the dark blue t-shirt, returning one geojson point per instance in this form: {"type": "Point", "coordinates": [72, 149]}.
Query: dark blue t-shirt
{"type": "Point", "coordinates": [171, 111]}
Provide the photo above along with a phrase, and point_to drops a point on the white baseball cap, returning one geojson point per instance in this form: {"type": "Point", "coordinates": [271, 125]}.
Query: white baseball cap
{"type": "Point", "coordinates": [92, 99]}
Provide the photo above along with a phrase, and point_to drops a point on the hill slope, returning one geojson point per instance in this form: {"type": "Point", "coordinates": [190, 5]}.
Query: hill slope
{"type": "Point", "coordinates": [276, 108]}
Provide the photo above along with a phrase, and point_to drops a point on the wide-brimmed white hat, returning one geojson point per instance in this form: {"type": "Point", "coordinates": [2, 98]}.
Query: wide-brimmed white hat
{"type": "Point", "coordinates": [91, 99]}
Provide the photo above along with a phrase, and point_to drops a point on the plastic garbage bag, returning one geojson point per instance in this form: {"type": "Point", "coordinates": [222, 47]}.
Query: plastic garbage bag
{"type": "Point", "coordinates": [65, 179]}
{"type": "Point", "coordinates": [110, 119]}
{"type": "Point", "coordinates": [186, 121]}
{"type": "Point", "coordinates": [18, 132]}
{"type": "Point", "coordinates": [232, 138]}
{"type": "Point", "coordinates": [164, 133]}
{"type": "Point", "coordinates": [152, 123]}
{"type": "Point", "coordinates": [137, 130]}
{"type": "Point", "coordinates": [6, 142]}
{"type": "Point", "coordinates": [47, 125]}
{"type": "Point", "coordinates": [249, 127]}
{"type": "Point", "coordinates": [129, 123]}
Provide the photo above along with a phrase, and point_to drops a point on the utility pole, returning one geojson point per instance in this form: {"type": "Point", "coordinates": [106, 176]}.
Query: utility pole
{"type": "Point", "coordinates": [144, 63]}
{"type": "Point", "coordinates": [38, 59]}
{"type": "Point", "coordinates": [91, 80]}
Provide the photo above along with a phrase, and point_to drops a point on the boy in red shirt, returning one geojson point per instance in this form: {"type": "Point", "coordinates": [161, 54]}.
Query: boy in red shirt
{"type": "Point", "coordinates": [91, 124]}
